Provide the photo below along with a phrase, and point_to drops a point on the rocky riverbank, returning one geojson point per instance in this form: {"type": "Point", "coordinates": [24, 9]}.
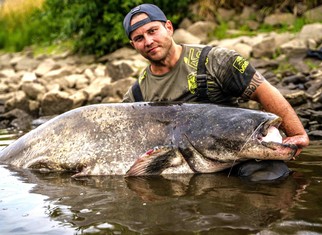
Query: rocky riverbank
{"type": "Point", "coordinates": [46, 85]}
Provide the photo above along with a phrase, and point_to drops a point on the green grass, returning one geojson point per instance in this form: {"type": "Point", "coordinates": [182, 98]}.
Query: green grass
{"type": "Point", "coordinates": [222, 30]}
{"type": "Point", "coordinates": [284, 67]}
{"type": "Point", "coordinates": [17, 26]}
{"type": "Point", "coordinates": [53, 48]}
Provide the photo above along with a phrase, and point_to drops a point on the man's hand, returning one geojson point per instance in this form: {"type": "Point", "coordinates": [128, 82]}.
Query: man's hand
{"type": "Point", "coordinates": [273, 101]}
{"type": "Point", "coordinates": [300, 141]}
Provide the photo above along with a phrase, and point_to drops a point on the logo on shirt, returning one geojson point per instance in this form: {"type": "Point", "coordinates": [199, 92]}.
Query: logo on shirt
{"type": "Point", "coordinates": [192, 83]}
{"type": "Point", "coordinates": [142, 76]}
{"type": "Point", "coordinates": [192, 59]}
{"type": "Point", "coordinates": [240, 64]}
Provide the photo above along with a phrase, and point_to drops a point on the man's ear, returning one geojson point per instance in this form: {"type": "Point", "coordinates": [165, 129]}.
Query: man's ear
{"type": "Point", "coordinates": [168, 25]}
{"type": "Point", "coordinates": [131, 42]}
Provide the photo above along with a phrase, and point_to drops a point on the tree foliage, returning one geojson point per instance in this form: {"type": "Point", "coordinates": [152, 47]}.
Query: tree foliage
{"type": "Point", "coordinates": [96, 25]}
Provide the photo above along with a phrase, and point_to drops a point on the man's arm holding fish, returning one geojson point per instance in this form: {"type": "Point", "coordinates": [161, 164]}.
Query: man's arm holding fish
{"type": "Point", "coordinates": [273, 101]}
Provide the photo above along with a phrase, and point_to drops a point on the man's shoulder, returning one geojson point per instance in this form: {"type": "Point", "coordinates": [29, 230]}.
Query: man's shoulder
{"type": "Point", "coordinates": [195, 46]}
{"type": "Point", "coordinates": [215, 50]}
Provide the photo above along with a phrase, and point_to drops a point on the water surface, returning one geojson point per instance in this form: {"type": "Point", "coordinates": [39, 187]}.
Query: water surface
{"type": "Point", "coordinates": [55, 203]}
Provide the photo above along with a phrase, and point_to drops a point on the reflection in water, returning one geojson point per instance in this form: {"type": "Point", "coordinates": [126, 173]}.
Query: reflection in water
{"type": "Point", "coordinates": [55, 203]}
{"type": "Point", "coordinates": [165, 204]}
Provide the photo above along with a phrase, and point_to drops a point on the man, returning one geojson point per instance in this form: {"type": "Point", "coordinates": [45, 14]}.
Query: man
{"type": "Point", "coordinates": [171, 75]}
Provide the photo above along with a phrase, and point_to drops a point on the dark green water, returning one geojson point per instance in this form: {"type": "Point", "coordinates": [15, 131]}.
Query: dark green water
{"type": "Point", "coordinates": [38, 203]}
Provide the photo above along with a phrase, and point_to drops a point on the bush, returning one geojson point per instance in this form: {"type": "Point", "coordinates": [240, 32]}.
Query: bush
{"type": "Point", "coordinates": [97, 26]}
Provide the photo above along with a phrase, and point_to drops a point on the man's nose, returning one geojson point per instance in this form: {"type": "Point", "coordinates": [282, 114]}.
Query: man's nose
{"type": "Point", "coordinates": [148, 40]}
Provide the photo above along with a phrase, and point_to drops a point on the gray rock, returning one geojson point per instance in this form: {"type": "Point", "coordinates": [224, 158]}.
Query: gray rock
{"type": "Point", "coordinates": [29, 77]}
{"type": "Point", "coordinates": [7, 73]}
{"type": "Point", "coordinates": [56, 103]}
{"type": "Point", "coordinates": [315, 135]}
{"type": "Point", "coordinates": [280, 19]}
{"type": "Point", "coordinates": [26, 64]}
{"type": "Point", "coordinates": [311, 32]}
{"type": "Point", "coordinates": [20, 100]}
{"type": "Point", "coordinates": [58, 73]}
{"type": "Point", "coordinates": [94, 89]}
{"type": "Point", "coordinates": [119, 69]}
{"type": "Point", "coordinates": [296, 98]}
{"type": "Point", "coordinates": [17, 119]}
{"type": "Point", "coordinates": [226, 14]}
{"type": "Point", "coordinates": [185, 23]}
{"type": "Point", "coordinates": [182, 36]}
{"type": "Point", "coordinates": [265, 48]}
{"type": "Point", "coordinates": [202, 29]}
{"type": "Point", "coordinates": [117, 89]}
{"type": "Point", "coordinates": [46, 66]}
{"type": "Point", "coordinates": [5, 61]}
{"type": "Point", "coordinates": [121, 53]}
{"type": "Point", "coordinates": [314, 14]}
{"type": "Point", "coordinates": [33, 90]}
{"type": "Point", "coordinates": [294, 48]}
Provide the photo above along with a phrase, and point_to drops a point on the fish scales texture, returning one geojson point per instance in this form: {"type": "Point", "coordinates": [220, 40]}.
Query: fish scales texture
{"type": "Point", "coordinates": [106, 139]}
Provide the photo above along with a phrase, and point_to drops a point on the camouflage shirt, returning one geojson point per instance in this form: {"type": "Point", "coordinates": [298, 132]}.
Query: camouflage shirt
{"type": "Point", "coordinates": [228, 76]}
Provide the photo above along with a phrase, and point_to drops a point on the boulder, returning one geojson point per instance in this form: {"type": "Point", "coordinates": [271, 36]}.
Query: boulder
{"type": "Point", "coordinates": [265, 48]}
{"type": "Point", "coordinates": [26, 64]}
{"type": "Point", "coordinates": [182, 36]}
{"type": "Point", "coordinates": [56, 103]}
{"type": "Point", "coordinates": [314, 14]}
{"type": "Point", "coordinates": [46, 66]}
{"type": "Point", "coordinates": [33, 90]}
{"type": "Point", "coordinates": [280, 19]}
{"type": "Point", "coordinates": [311, 32]}
{"type": "Point", "coordinates": [202, 29]}
{"type": "Point", "coordinates": [116, 90]}
{"type": "Point", "coordinates": [94, 89]}
{"type": "Point", "coordinates": [119, 69]}
{"type": "Point", "coordinates": [17, 119]}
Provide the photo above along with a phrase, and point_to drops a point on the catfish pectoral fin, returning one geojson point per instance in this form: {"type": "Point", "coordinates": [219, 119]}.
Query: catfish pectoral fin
{"type": "Point", "coordinates": [139, 167]}
{"type": "Point", "coordinates": [153, 162]}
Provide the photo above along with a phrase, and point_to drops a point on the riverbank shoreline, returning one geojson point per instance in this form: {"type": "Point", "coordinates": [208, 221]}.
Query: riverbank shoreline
{"type": "Point", "coordinates": [37, 86]}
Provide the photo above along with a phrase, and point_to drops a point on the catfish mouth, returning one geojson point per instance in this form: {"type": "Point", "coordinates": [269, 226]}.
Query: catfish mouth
{"type": "Point", "coordinates": [269, 136]}
{"type": "Point", "coordinates": [269, 132]}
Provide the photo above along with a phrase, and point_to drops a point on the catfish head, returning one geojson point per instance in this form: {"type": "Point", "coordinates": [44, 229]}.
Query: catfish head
{"type": "Point", "coordinates": [266, 143]}
{"type": "Point", "coordinates": [235, 135]}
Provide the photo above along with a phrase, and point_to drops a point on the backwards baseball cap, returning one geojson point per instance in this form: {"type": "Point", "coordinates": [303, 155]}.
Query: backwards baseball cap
{"type": "Point", "coordinates": [154, 14]}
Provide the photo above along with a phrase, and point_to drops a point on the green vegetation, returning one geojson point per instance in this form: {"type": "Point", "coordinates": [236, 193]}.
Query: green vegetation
{"type": "Point", "coordinates": [95, 26]}
{"type": "Point", "coordinates": [222, 30]}
{"type": "Point", "coordinates": [15, 33]}
{"type": "Point", "coordinates": [284, 67]}
{"type": "Point", "coordinates": [296, 27]}
{"type": "Point", "coordinates": [312, 65]}
{"type": "Point", "coordinates": [53, 48]}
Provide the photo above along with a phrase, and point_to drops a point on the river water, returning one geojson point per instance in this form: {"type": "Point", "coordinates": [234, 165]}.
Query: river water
{"type": "Point", "coordinates": [55, 203]}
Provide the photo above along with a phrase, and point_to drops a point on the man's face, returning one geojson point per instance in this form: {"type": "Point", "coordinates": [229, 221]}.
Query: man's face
{"type": "Point", "coordinates": [152, 40]}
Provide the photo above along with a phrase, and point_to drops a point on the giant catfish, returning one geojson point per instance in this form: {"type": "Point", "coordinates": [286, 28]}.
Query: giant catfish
{"type": "Point", "coordinates": [149, 138]}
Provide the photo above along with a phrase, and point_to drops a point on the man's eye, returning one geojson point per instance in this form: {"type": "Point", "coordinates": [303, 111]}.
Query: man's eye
{"type": "Point", "coordinates": [137, 39]}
